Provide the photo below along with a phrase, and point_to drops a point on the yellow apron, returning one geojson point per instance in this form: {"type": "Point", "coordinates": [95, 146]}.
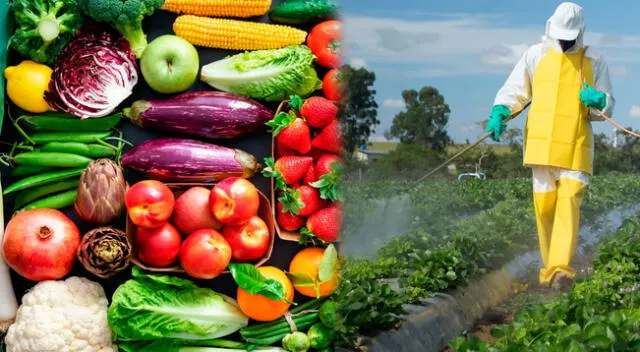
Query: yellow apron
{"type": "Point", "coordinates": [558, 132]}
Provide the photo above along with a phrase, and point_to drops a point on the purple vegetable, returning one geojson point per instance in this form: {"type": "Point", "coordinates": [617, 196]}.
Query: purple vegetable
{"type": "Point", "coordinates": [187, 160]}
{"type": "Point", "coordinates": [215, 115]}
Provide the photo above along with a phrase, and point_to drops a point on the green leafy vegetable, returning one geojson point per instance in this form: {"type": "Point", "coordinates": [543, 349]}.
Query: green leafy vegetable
{"type": "Point", "coordinates": [271, 75]}
{"type": "Point", "coordinates": [150, 307]}
{"type": "Point", "coordinates": [251, 280]}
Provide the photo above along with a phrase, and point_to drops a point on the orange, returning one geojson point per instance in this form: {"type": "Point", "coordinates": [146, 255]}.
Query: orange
{"type": "Point", "coordinates": [307, 262]}
{"type": "Point", "coordinates": [261, 308]}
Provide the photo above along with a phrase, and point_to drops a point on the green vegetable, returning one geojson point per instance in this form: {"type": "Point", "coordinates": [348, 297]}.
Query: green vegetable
{"type": "Point", "coordinates": [251, 280]}
{"type": "Point", "coordinates": [296, 342]}
{"type": "Point", "coordinates": [320, 336]}
{"type": "Point", "coordinates": [124, 15]}
{"type": "Point", "coordinates": [42, 179]}
{"type": "Point", "coordinates": [190, 346]}
{"type": "Point", "coordinates": [78, 137]}
{"type": "Point", "coordinates": [63, 122]}
{"type": "Point", "coordinates": [44, 27]}
{"type": "Point", "coordinates": [271, 75]}
{"type": "Point", "coordinates": [160, 306]}
{"type": "Point", "coordinates": [27, 196]}
{"type": "Point", "coordinates": [56, 201]}
{"type": "Point", "coordinates": [328, 313]}
{"type": "Point", "coordinates": [24, 170]}
{"type": "Point", "coordinates": [266, 328]}
{"type": "Point", "coordinates": [6, 27]}
{"type": "Point", "coordinates": [52, 159]}
{"type": "Point", "coordinates": [90, 150]}
{"type": "Point", "coordinates": [303, 11]}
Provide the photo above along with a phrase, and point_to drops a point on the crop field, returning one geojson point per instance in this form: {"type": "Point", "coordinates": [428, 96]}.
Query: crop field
{"type": "Point", "coordinates": [455, 232]}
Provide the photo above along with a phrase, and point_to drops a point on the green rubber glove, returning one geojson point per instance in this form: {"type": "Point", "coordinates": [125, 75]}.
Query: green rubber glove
{"type": "Point", "coordinates": [593, 98]}
{"type": "Point", "coordinates": [498, 114]}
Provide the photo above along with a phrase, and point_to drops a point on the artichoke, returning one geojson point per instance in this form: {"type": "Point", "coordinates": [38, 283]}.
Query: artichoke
{"type": "Point", "coordinates": [105, 251]}
{"type": "Point", "coordinates": [101, 192]}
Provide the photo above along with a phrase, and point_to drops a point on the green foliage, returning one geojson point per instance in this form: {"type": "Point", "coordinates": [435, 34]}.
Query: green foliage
{"type": "Point", "coordinates": [359, 111]}
{"type": "Point", "coordinates": [407, 161]}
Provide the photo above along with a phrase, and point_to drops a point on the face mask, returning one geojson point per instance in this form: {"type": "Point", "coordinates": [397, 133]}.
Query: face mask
{"type": "Point", "coordinates": [566, 44]}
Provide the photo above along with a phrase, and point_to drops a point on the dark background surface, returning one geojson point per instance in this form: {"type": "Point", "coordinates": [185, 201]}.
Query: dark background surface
{"type": "Point", "coordinates": [258, 144]}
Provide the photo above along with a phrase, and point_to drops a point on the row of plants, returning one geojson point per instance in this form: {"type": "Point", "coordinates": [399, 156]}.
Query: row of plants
{"type": "Point", "coordinates": [446, 256]}
{"type": "Point", "coordinates": [599, 314]}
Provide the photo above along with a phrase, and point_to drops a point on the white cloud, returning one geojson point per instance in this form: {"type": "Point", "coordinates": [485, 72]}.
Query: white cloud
{"type": "Point", "coordinates": [620, 72]}
{"type": "Point", "coordinates": [393, 103]}
{"type": "Point", "coordinates": [358, 62]}
{"type": "Point", "coordinates": [504, 55]}
{"type": "Point", "coordinates": [634, 111]}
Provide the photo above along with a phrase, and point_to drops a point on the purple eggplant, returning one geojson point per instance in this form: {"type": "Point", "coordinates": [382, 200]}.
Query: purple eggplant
{"type": "Point", "coordinates": [213, 115]}
{"type": "Point", "coordinates": [187, 160]}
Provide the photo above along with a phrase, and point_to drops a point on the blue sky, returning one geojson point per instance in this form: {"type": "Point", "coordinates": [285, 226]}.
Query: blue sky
{"type": "Point", "coordinates": [466, 49]}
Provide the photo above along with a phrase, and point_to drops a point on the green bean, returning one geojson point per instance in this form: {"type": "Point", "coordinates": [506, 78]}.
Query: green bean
{"type": "Point", "coordinates": [52, 159]}
{"type": "Point", "coordinates": [79, 137]}
{"type": "Point", "coordinates": [29, 195]}
{"type": "Point", "coordinates": [62, 122]}
{"type": "Point", "coordinates": [91, 150]}
{"type": "Point", "coordinates": [56, 201]}
{"type": "Point", "coordinates": [42, 179]}
{"type": "Point", "coordinates": [24, 170]}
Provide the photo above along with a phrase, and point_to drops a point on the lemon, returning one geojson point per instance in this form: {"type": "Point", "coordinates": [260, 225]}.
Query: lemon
{"type": "Point", "coordinates": [26, 84]}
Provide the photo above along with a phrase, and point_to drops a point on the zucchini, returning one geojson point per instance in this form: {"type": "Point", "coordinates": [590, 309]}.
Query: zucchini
{"type": "Point", "coordinates": [303, 11]}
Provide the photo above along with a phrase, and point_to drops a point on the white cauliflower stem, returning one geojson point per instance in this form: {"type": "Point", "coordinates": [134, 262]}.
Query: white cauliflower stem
{"type": "Point", "coordinates": [62, 316]}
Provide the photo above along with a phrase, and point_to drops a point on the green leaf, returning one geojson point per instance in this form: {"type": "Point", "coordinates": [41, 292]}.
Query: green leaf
{"type": "Point", "coordinates": [295, 102]}
{"type": "Point", "coordinates": [306, 236]}
{"type": "Point", "coordinates": [249, 278]}
{"type": "Point", "coordinates": [291, 202]}
{"type": "Point", "coordinates": [328, 264]}
{"type": "Point", "coordinates": [301, 279]}
{"type": "Point", "coordinates": [280, 122]}
{"type": "Point", "coordinates": [270, 171]}
{"type": "Point", "coordinates": [330, 184]}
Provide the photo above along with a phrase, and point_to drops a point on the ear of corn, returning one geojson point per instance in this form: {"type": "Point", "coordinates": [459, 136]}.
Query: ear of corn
{"type": "Point", "coordinates": [218, 8]}
{"type": "Point", "coordinates": [230, 34]}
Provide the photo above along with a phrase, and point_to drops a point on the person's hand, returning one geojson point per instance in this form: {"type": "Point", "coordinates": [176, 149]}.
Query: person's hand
{"type": "Point", "coordinates": [496, 125]}
{"type": "Point", "coordinates": [593, 98]}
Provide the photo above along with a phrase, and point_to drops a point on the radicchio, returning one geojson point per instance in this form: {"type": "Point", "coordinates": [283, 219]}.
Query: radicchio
{"type": "Point", "coordinates": [96, 71]}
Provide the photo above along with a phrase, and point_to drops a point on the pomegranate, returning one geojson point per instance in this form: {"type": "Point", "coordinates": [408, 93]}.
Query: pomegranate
{"type": "Point", "coordinates": [41, 244]}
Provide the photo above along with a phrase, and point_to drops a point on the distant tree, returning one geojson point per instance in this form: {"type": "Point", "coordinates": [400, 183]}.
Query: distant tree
{"type": "Point", "coordinates": [424, 120]}
{"type": "Point", "coordinates": [359, 113]}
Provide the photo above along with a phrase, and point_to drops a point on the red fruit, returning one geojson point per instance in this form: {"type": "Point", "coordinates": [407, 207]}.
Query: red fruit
{"type": "Point", "coordinates": [316, 153]}
{"type": "Point", "coordinates": [281, 151]}
{"type": "Point", "coordinates": [319, 112]}
{"type": "Point", "coordinates": [292, 168]}
{"type": "Point", "coordinates": [149, 203]}
{"type": "Point", "coordinates": [331, 85]}
{"type": "Point", "coordinates": [205, 254]}
{"type": "Point", "coordinates": [326, 223]}
{"type": "Point", "coordinates": [192, 212]}
{"type": "Point", "coordinates": [329, 139]}
{"type": "Point", "coordinates": [311, 199]}
{"type": "Point", "coordinates": [324, 40]}
{"type": "Point", "coordinates": [325, 164]}
{"type": "Point", "coordinates": [310, 176]}
{"type": "Point", "coordinates": [234, 200]}
{"type": "Point", "coordinates": [248, 242]}
{"type": "Point", "coordinates": [158, 247]}
{"type": "Point", "coordinates": [289, 221]}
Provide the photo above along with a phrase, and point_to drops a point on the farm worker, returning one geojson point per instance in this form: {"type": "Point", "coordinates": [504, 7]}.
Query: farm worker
{"type": "Point", "coordinates": [558, 140]}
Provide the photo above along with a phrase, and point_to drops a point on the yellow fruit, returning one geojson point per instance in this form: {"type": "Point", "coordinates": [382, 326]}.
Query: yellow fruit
{"type": "Point", "coordinates": [261, 308]}
{"type": "Point", "coordinates": [307, 262]}
{"type": "Point", "coordinates": [26, 84]}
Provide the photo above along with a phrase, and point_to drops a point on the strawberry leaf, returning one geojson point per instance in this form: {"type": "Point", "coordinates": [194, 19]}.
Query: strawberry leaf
{"type": "Point", "coordinates": [270, 171]}
{"type": "Point", "coordinates": [251, 280]}
{"type": "Point", "coordinates": [280, 122]}
{"type": "Point", "coordinates": [301, 280]}
{"type": "Point", "coordinates": [295, 102]}
{"type": "Point", "coordinates": [291, 201]}
{"type": "Point", "coordinates": [328, 264]}
{"type": "Point", "coordinates": [330, 184]}
{"type": "Point", "coordinates": [306, 236]}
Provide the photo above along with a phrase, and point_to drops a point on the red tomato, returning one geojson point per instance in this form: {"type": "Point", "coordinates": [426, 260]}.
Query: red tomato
{"type": "Point", "coordinates": [325, 41]}
{"type": "Point", "coordinates": [331, 85]}
{"type": "Point", "coordinates": [149, 203]}
{"type": "Point", "coordinates": [158, 247]}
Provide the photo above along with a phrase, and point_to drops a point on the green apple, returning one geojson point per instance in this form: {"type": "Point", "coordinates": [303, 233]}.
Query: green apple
{"type": "Point", "coordinates": [170, 64]}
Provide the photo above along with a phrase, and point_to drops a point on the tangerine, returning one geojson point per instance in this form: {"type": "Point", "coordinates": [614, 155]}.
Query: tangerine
{"type": "Point", "coordinates": [307, 262]}
{"type": "Point", "coordinates": [261, 308]}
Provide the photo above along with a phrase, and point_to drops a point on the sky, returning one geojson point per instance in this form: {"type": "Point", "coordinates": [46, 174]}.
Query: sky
{"type": "Point", "coordinates": [467, 48]}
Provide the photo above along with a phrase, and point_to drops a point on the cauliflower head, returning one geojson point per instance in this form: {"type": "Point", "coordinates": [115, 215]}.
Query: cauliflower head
{"type": "Point", "coordinates": [62, 316]}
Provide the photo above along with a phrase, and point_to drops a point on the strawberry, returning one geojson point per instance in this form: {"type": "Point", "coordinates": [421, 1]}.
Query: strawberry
{"type": "Point", "coordinates": [329, 173]}
{"type": "Point", "coordinates": [289, 221]}
{"type": "Point", "coordinates": [310, 176]}
{"type": "Point", "coordinates": [315, 153]}
{"type": "Point", "coordinates": [318, 111]}
{"type": "Point", "coordinates": [287, 170]}
{"type": "Point", "coordinates": [281, 151]}
{"type": "Point", "coordinates": [301, 200]}
{"type": "Point", "coordinates": [329, 139]}
{"type": "Point", "coordinates": [325, 224]}
{"type": "Point", "coordinates": [291, 131]}
{"type": "Point", "coordinates": [325, 164]}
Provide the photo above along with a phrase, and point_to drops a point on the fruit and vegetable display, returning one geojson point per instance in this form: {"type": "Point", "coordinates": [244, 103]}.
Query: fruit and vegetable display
{"type": "Point", "coordinates": [155, 157]}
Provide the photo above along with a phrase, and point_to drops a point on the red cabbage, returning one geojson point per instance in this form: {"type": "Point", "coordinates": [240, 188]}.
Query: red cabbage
{"type": "Point", "coordinates": [96, 71]}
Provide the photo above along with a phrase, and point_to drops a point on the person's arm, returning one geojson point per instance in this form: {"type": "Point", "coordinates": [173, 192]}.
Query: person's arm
{"type": "Point", "coordinates": [516, 91]}
{"type": "Point", "coordinates": [602, 83]}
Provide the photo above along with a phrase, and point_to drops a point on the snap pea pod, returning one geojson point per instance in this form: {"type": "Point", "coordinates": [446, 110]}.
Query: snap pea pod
{"type": "Point", "coordinates": [52, 159]}
{"type": "Point", "coordinates": [91, 150]}
{"type": "Point", "coordinates": [56, 201]}
{"type": "Point", "coordinates": [28, 196]}
{"type": "Point", "coordinates": [25, 170]}
{"type": "Point", "coordinates": [79, 137]}
{"type": "Point", "coordinates": [62, 122]}
{"type": "Point", "coordinates": [42, 179]}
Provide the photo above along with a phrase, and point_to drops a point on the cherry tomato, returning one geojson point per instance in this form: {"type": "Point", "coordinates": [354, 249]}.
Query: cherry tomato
{"type": "Point", "coordinates": [325, 42]}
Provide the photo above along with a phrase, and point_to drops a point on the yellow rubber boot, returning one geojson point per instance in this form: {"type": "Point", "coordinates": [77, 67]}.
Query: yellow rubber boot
{"type": "Point", "coordinates": [566, 224]}
{"type": "Point", "coordinates": [544, 204]}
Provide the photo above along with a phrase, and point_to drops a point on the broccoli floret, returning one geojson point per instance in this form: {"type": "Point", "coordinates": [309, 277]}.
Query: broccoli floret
{"type": "Point", "coordinates": [44, 27]}
{"type": "Point", "coordinates": [124, 15]}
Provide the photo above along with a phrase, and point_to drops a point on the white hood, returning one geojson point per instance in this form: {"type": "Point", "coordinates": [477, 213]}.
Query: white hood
{"type": "Point", "coordinates": [567, 17]}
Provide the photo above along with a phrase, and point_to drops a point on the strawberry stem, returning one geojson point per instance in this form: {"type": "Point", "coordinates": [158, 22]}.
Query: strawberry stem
{"type": "Point", "coordinates": [330, 184]}
{"type": "Point", "coordinates": [295, 102]}
{"type": "Point", "coordinates": [306, 236]}
{"type": "Point", "coordinates": [291, 201]}
{"type": "Point", "coordinates": [280, 122]}
{"type": "Point", "coordinates": [270, 171]}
